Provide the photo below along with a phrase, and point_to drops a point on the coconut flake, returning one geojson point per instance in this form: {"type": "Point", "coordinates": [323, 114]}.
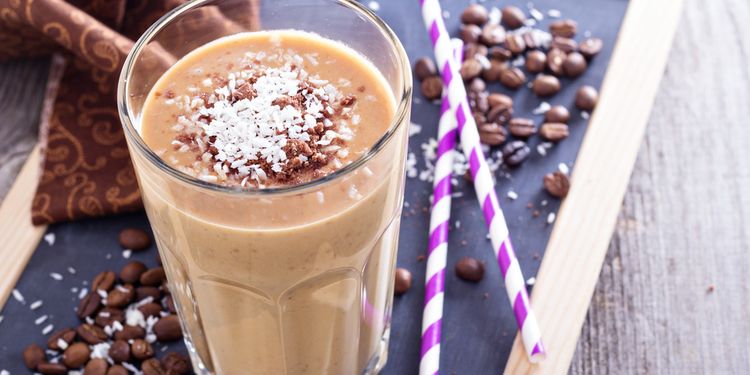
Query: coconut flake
{"type": "Point", "coordinates": [49, 238]}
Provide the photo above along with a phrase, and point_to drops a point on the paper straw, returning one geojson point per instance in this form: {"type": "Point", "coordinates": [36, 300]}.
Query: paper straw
{"type": "Point", "coordinates": [484, 185]}
{"type": "Point", "coordinates": [437, 252]}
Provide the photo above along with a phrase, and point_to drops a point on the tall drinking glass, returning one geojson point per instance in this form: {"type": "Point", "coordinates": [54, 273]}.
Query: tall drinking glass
{"type": "Point", "coordinates": [286, 280]}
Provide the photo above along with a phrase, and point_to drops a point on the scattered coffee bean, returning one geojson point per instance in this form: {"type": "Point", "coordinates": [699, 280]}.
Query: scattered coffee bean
{"type": "Point", "coordinates": [470, 33]}
{"type": "Point", "coordinates": [478, 101]}
{"type": "Point", "coordinates": [132, 272]}
{"type": "Point", "coordinates": [557, 184]}
{"type": "Point", "coordinates": [121, 296]}
{"type": "Point", "coordinates": [147, 291]}
{"type": "Point", "coordinates": [545, 85]}
{"type": "Point", "coordinates": [141, 349]}
{"type": "Point", "coordinates": [153, 277]}
{"type": "Point", "coordinates": [535, 61]}
{"type": "Point", "coordinates": [169, 301]}
{"type": "Point", "coordinates": [471, 50]}
{"type": "Point", "coordinates": [432, 87]}
{"type": "Point", "coordinates": [515, 44]}
{"type": "Point", "coordinates": [470, 269]}
{"type": "Point", "coordinates": [515, 153]}
{"type": "Point", "coordinates": [152, 367]}
{"type": "Point", "coordinates": [470, 69]}
{"type": "Point", "coordinates": [479, 118]}
{"type": "Point", "coordinates": [176, 364]}
{"type": "Point", "coordinates": [530, 40]}
{"type": "Point", "coordinates": [89, 305]}
{"type": "Point", "coordinates": [492, 134]}
{"type": "Point", "coordinates": [117, 370]}
{"type": "Point", "coordinates": [566, 45]}
{"type": "Point", "coordinates": [425, 68]}
{"type": "Point", "coordinates": [513, 17]}
{"type": "Point", "coordinates": [492, 34]}
{"type": "Point", "coordinates": [403, 281]}
{"type": "Point", "coordinates": [76, 355]}
{"type": "Point", "coordinates": [564, 28]}
{"type": "Point", "coordinates": [555, 60]}
{"type": "Point", "coordinates": [500, 100]}
{"type": "Point", "coordinates": [586, 98]}
{"type": "Point", "coordinates": [590, 47]}
{"type": "Point", "coordinates": [96, 366]}
{"type": "Point", "coordinates": [500, 53]}
{"type": "Point", "coordinates": [129, 332]}
{"type": "Point", "coordinates": [477, 85]}
{"type": "Point", "coordinates": [109, 315]}
{"type": "Point", "coordinates": [91, 334]}
{"type": "Point", "coordinates": [557, 113]}
{"type": "Point", "coordinates": [67, 335]}
{"type": "Point", "coordinates": [512, 78]}
{"type": "Point", "coordinates": [522, 127]}
{"type": "Point", "coordinates": [575, 64]}
{"type": "Point", "coordinates": [496, 68]}
{"type": "Point", "coordinates": [104, 281]}
{"type": "Point", "coordinates": [554, 131]}
{"type": "Point", "coordinates": [134, 239]}
{"type": "Point", "coordinates": [500, 114]}
{"type": "Point", "coordinates": [33, 355]}
{"type": "Point", "coordinates": [52, 369]}
{"type": "Point", "coordinates": [119, 351]}
{"type": "Point", "coordinates": [475, 14]}
{"type": "Point", "coordinates": [168, 328]}
{"type": "Point", "coordinates": [150, 309]}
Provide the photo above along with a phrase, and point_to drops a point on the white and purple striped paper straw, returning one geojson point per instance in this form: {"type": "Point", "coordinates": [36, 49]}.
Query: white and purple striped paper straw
{"type": "Point", "coordinates": [437, 251]}
{"type": "Point", "coordinates": [484, 185]}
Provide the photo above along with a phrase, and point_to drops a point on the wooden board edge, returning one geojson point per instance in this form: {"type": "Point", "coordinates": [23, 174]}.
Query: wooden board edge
{"type": "Point", "coordinates": [586, 220]}
{"type": "Point", "coordinates": [20, 237]}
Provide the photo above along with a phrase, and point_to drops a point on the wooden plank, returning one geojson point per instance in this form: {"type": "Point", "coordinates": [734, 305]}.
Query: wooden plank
{"type": "Point", "coordinates": [578, 243]}
{"type": "Point", "coordinates": [685, 222]}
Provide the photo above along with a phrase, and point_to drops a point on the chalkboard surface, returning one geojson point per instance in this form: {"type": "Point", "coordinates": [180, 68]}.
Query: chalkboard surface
{"type": "Point", "coordinates": [478, 326]}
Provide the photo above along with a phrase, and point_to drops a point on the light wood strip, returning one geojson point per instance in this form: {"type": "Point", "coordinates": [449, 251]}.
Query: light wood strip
{"type": "Point", "coordinates": [577, 246]}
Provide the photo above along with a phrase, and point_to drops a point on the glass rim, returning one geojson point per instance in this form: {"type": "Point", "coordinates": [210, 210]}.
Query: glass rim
{"type": "Point", "coordinates": [126, 114]}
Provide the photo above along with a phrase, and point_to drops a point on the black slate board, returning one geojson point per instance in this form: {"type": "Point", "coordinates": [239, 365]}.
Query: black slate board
{"type": "Point", "coordinates": [478, 325]}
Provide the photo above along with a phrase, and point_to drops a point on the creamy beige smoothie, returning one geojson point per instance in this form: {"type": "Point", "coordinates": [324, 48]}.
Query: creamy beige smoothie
{"type": "Point", "coordinates": [281, 256]}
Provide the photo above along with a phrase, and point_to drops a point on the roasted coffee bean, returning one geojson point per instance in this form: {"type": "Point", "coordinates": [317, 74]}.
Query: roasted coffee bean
{"type": "Point", "coordinates": [554, 131]}
{"type": "Point", "coordinates": [470, 69]}
{"type": "Point", "coordinates": [557, 184]}
{"type": "Point", "coordinates": [574, 65]}
{"type": "Point", "coordinates": [109, 315]}
{"type": "Point", "coordinates": [512, 78]}
{"type": "Point", "coordinates": [477, 85]}
{"type": "Point", "coordinates": [479, 117]}
{"type": "Point", "coordinates": [530, 40]}
{"type": "Point", "coordinates": [535, 61]}
{"type": "Point", "coordinates": [89, 305]}
{"type": "Point", "coordinates": [500, 114]}
{"type": "Point", "coordinates": [586, 98]}
{"type": "Point", "coordinates": [480, 103]}
{"type": "Point", "coordinates": [475, 14]}
{"type": "Point", "coordinates": [164, 288]}
{"type": "Point", "coordinates": [471, 50]}
{"type": "Point", "coordinates": [496, 68]}
{"type": "Point", "coordinates": [590, 47]}
{"type": "Point", "coordinates": [132, 272]}
{"type": "Point", "coordinates": [129, 332]}
{"type": "Point", "coordinates": [522, 127]}
{"type": "Point", "coordinates": [432, 87]}
{"type": "Point", "coordinates": [141, 349]}
{"type": "Point", "coordinates": [117, 370]}
{"type": "Point", "coordinates": [155, 276]}
{"type": "Point", "coordinates": [564, 28]}
{"type": "Point", "coordinates": [152, 367]}
{"type": "Point", "coordinates": [492, 34]}
{"type": "Point", "coordinates": [545, 85]}
{"type": "Point", "coordinates": [76, 355]}
{"type": "Point", "coordinates": [557, 113]}
{"type": "Point", "coordinates": [96, 366]}
{"type": "Point", "coordinates": [492, 134]}
{"type": "Point", "coordinates": [402, 282]}
{"type": "Point", "coordinates": [496, 99]}
{"type": "Point", "coordinates": [168, 328]}
{"type": "Point", "coordinates": [134, 239]}
{"type": "Point", "coordinates": [67, 335]}
{"type": "Point", "coordinates": [513, 17]}
{"type": "Point", "coordinates": [104, 281]}
{"type": "Point", "coordinates": [515, 44]}
{"type": "Point", "coordinates": [515, 153]}
{"type": "Point", "coordinates": [566, 45]}
{"type": "Point", "coordinates": [176, 364]}
{"type": "Point", "coordinates": [500, 53]}
{"type": "Point", "coordinates": [121, 296]}
{"type": "Point", "coordinates": [470, 269]}
{"type": "Point", "coordinates": [91, 334]}
{"type": "Point", "coordinates": [424, 68]}
{"type": "Point", "coordinates": [119, 351]}
{"type": "Point", "coordinates": [150, 309]}
{"type": "Point", "coordinates": [52, 369]}
{"type": "Point", "coordinates": [169, 301]}
{"type": "Point", "coordinates": [555, 60]}
{"type": "Point", "coordinates": [33, 355]}
{"type": "Point", "coordinates": [143, 292]}
{"type": "Point", "coordinates": [470, 33]}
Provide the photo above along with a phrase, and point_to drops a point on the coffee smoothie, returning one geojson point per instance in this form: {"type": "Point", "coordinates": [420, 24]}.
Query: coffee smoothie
{"type": "Point", "coordinates": [279, 234]}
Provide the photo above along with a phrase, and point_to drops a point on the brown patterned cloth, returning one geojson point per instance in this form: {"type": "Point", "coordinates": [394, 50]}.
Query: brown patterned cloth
{"type": "Point", "coordinates": [86, 169]}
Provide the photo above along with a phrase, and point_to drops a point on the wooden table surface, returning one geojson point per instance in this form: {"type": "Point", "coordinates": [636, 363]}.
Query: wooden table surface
{"type": "Point", "coordinates": [672, 297]}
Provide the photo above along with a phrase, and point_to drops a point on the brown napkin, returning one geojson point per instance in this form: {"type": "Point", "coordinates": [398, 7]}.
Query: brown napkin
{"type": "Point", "coordinates": [86, 169]}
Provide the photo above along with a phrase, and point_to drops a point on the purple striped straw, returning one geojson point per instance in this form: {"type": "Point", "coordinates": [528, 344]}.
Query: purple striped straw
{"type": "Point", "coordinates": [484, 185]}
{"type": "Point", "coordinates": [437, 252]}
